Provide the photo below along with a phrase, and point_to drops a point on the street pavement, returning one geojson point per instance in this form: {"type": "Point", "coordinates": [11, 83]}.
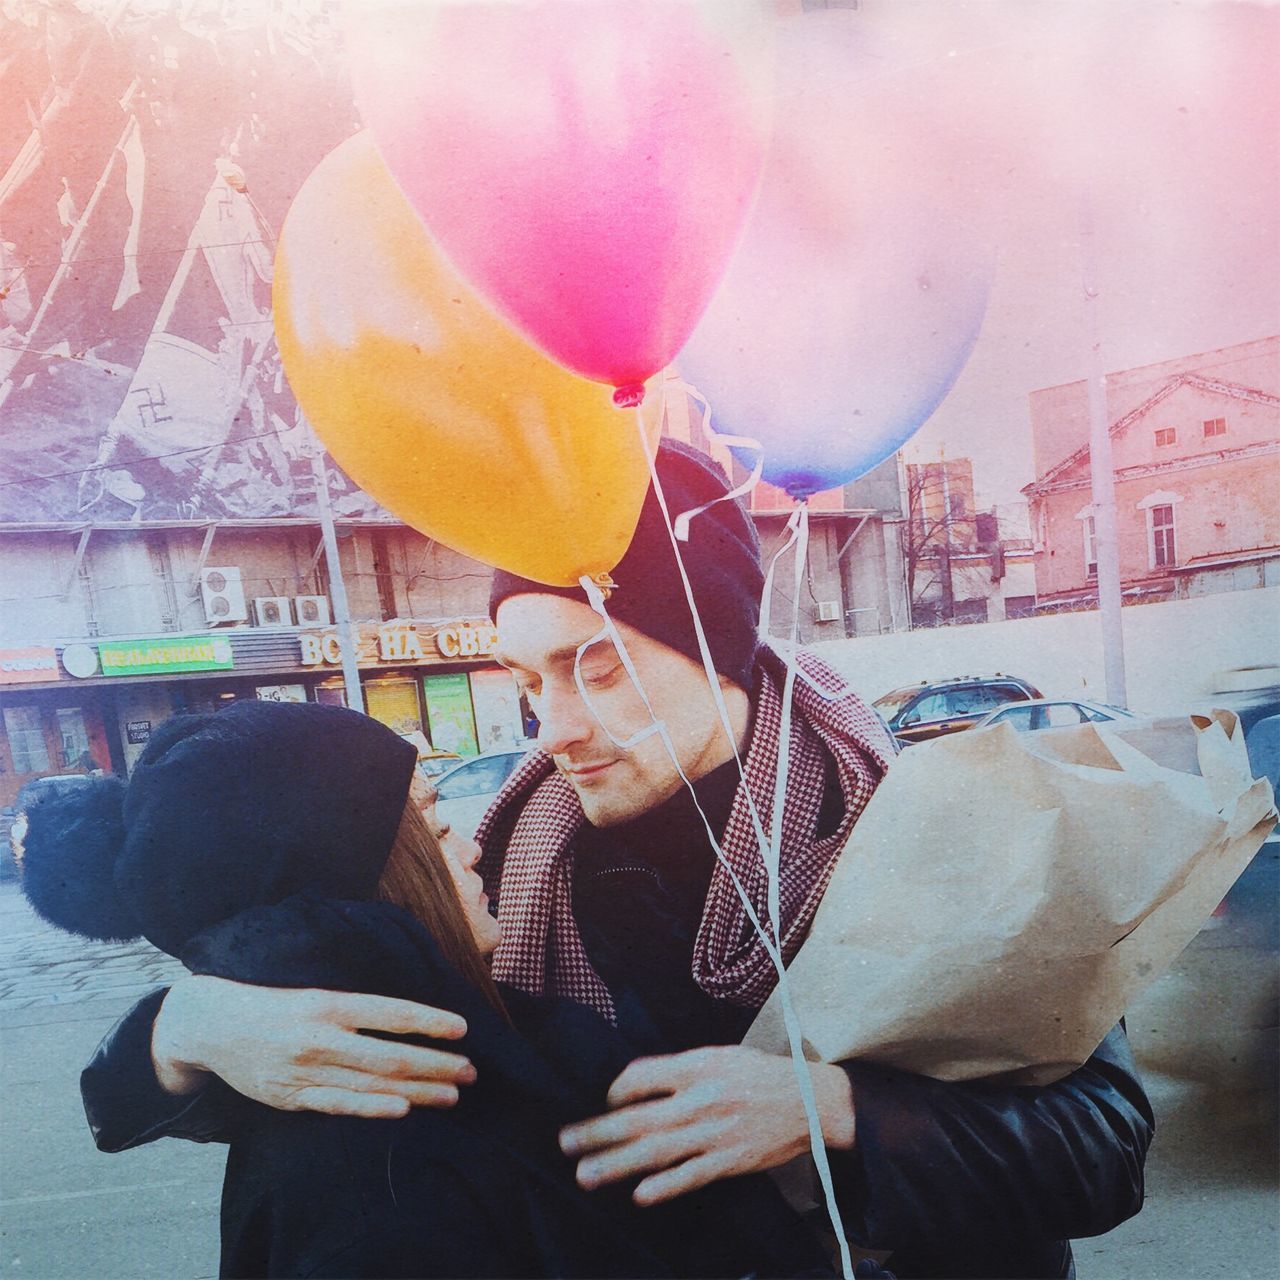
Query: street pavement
{"type": "Point", "coordinates": [1205, 1034]}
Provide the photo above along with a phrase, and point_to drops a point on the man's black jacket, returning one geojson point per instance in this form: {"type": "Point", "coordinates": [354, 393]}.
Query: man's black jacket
{"type": "Point", "coordinates": [956, 1180]}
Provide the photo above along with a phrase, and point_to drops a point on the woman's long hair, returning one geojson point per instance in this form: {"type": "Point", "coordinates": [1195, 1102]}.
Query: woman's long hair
{"type": "Point", "coordinates": [417, 878]}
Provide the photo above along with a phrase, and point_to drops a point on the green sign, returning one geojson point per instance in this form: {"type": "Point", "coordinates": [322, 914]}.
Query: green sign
{"type": "Point", "coordinates": [453, 724]}
{"type": "Point", "coordinates": [168, 654]}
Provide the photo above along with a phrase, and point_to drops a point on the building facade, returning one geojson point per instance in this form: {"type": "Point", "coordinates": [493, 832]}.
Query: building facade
{"type": "Point", "coordinates": [1196, 457]}
{"type": "Point", "coordinates": [107, 631]}
{"type": "Point", "coordinates": [962, 565]}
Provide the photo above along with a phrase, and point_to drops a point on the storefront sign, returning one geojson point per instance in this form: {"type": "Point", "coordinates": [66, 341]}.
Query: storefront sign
{"type": "Point", "coordinates": [467, 640]}
{"type": "Point", "coordinates": [281, 692]}
{"type": "Point", "coordinates": [167, 655]}
{"type": "Point", "coordinates": [390, 644]}
{"type": "Point", "coordinates": [399, 644]}
{"type": "Point", "coordinates": [137, 731]}
{"type": "Point", "coordinates": [320, 649]}
{"type": "Point", "coordinates": [27, 666]}
{"type": "Point", "coordinates": [80, 660]}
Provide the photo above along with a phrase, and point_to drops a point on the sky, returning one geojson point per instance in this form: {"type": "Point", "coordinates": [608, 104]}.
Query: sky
{"type": "Point", "coordinates": [1164, 118]}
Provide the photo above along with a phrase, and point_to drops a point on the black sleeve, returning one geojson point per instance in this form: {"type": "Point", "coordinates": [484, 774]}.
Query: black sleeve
{"type": "Point", "coordinates": [125, 1103]}
{"type": "Point", "coordinates": [955, 1165]}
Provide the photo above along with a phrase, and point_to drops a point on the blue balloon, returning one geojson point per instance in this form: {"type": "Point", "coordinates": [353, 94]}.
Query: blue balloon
{"type": "Point", "coordinates": [858, 291]}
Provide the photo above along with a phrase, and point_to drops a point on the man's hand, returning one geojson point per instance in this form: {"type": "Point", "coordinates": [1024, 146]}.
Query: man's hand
{"type": "Point", "coordinates": [691, 1118]}
{"type": "Point", "coordinates": [301, 1050]}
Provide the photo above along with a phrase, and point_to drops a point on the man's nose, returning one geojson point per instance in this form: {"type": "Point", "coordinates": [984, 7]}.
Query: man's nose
{"type": "Point", "coordinates": [565, 720]}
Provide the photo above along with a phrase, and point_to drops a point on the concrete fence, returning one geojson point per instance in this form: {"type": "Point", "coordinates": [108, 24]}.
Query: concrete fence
{"type": "Point", "coordinates": [1178, 654]}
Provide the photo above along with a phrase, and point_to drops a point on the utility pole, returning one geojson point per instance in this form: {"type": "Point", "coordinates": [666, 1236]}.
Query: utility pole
{"type": "Point", "coordinates": [1102, 475]}
{"type": "Point", "coordinates": [337, 586]}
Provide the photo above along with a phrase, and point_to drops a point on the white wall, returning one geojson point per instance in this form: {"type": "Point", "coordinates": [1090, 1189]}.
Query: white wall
{"type": "Point", "coordinates": [1175, 652]}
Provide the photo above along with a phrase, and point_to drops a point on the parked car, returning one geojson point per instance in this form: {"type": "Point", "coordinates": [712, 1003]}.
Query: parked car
{"type": "Point", "coordinates": [1052, 713]}
{"type": "Point", "coordinates": [465, 791]}
{"type": "Point", "coordinates": [31, 794]}
{"type": "Point", "coordinates": [433, 763]}
{"type": "Point", "coordinates": [932, 708]}
{"type": "Point", "coordinates": [430, 761]}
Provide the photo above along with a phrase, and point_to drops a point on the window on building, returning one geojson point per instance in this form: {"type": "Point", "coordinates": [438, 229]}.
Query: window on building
{"type": "Point", "coordinates": [1165, 436]}
{"type": "Point", "coordinates": [1215, 427]}
{"type": "Point", "coordinates": [24, 728]}
{"type": "Point", "coordinates": [1019, 606]}
{"type": "Point", "coordinates": [1160, 524]}
{"type": "Point", "coordinates": [1090, 547]}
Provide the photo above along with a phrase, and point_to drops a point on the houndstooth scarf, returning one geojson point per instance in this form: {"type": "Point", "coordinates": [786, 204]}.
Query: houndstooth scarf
{"type": "Point", "coordinates": [528, 838]}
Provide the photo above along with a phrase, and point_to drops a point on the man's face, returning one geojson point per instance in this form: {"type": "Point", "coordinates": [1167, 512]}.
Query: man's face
{"type": "Point", "coordinates": [538, 636]}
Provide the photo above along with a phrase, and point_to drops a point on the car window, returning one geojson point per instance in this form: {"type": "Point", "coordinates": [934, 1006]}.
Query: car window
{"type": "Point", "coordinates": [1063, 713]}
{"type": "Point", "coordinates": [974, 699]}
{"type": "Point", "coordinates": [1022, 718]}
{"type": "Point", "coordinates": [932, 706]}
{"type": "Point", "coordinates": [478, 776]}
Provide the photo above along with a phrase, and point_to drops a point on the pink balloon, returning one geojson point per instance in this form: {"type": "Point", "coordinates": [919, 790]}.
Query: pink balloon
{"type": "Point", "coordinates": [587, 167]}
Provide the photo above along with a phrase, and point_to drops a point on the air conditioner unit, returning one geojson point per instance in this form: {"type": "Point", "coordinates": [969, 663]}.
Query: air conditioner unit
{"type": "Point", "coordinates": [222, 594]}
{"type": "Point", "coordinates": [828, 610]}
{"type": "Point", "coordinates": [272, 611]}
{"type": "Point", "coordinates": [312, 611]}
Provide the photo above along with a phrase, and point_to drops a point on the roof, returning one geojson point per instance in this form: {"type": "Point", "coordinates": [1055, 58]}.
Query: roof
{"type": "Point", "coordinates": [1217, 386]}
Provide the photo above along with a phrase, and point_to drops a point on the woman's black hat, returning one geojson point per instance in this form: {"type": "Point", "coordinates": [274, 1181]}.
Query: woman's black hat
{"type": "Point", "coordinates": [243, 807]}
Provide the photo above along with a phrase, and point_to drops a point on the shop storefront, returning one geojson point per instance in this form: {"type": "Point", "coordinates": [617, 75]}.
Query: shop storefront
{"type": "Point", "coordinates": [94, 704]}
{"type": "Point", "coordinates": [45, 730]}
{"type": "Point", "coordinates": [437, 679]}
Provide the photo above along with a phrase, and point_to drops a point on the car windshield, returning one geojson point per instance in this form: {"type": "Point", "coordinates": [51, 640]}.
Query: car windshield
{"type": "Point", "coordinates": [430, 766]}
{"type": "Point", "coordinates": [891, 703]}
{"type": "Point", "coordinates": [478, 776]}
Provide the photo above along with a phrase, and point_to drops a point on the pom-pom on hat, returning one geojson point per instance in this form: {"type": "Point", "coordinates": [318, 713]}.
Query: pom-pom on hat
{"type": "Point", "coordinates": [73, 839]}
{"type": "Point", "coordinates": [721, 557]}
{"type": "Point", "coordinates": [241, 808]}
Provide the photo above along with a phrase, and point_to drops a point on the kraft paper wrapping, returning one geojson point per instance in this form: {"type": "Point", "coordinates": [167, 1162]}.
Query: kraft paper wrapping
{"type": "Point", "coordinates": [1006, 895]}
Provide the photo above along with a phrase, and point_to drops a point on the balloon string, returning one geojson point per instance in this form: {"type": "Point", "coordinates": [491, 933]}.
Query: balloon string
{"type": "Point", "coordinates": [704, 648]}
{"type": "Point", "coordinates": [798, 528]}
{"type": "Point", "coordinates": [610, 633]}
{"type": "Point", "coordinates": [681, 526]}
{"type": "Point", "coordinates": [790, 1019]}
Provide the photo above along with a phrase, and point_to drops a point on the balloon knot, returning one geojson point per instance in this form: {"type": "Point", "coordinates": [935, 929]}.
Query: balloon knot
{"type": "Point", "coordinates": [605, 582]}
{"type": "Point", "coordinates": [629, 397]}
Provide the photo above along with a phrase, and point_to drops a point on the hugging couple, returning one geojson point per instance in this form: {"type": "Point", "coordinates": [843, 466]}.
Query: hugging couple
{"type": "Point", "coordinates": [417, 1079]}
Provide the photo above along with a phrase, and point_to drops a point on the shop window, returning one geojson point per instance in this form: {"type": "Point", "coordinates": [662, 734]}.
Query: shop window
{"type": "Point", "coordinates": [73, 739]}
{"type": "Point", "coordinates": [395, 703]}
{"type": "Point", "coordinates": [24, 728]}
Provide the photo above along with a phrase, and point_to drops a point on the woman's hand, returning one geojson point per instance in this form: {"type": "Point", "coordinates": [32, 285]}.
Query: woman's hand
{"type": "Point", "coordinates": [691, 1118]}
{"type": "Point", "coordinates": [302, 1050]}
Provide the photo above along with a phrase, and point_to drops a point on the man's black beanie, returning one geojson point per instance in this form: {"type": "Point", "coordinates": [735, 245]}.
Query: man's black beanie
{"type": "Point", "coordinates": [240, 808]}
{"type": "Point", "coordinates": [721, 557]}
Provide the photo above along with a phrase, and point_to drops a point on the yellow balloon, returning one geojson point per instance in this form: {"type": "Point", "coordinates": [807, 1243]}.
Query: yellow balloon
{"type": "Point", "coordinates": [431, 403]}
